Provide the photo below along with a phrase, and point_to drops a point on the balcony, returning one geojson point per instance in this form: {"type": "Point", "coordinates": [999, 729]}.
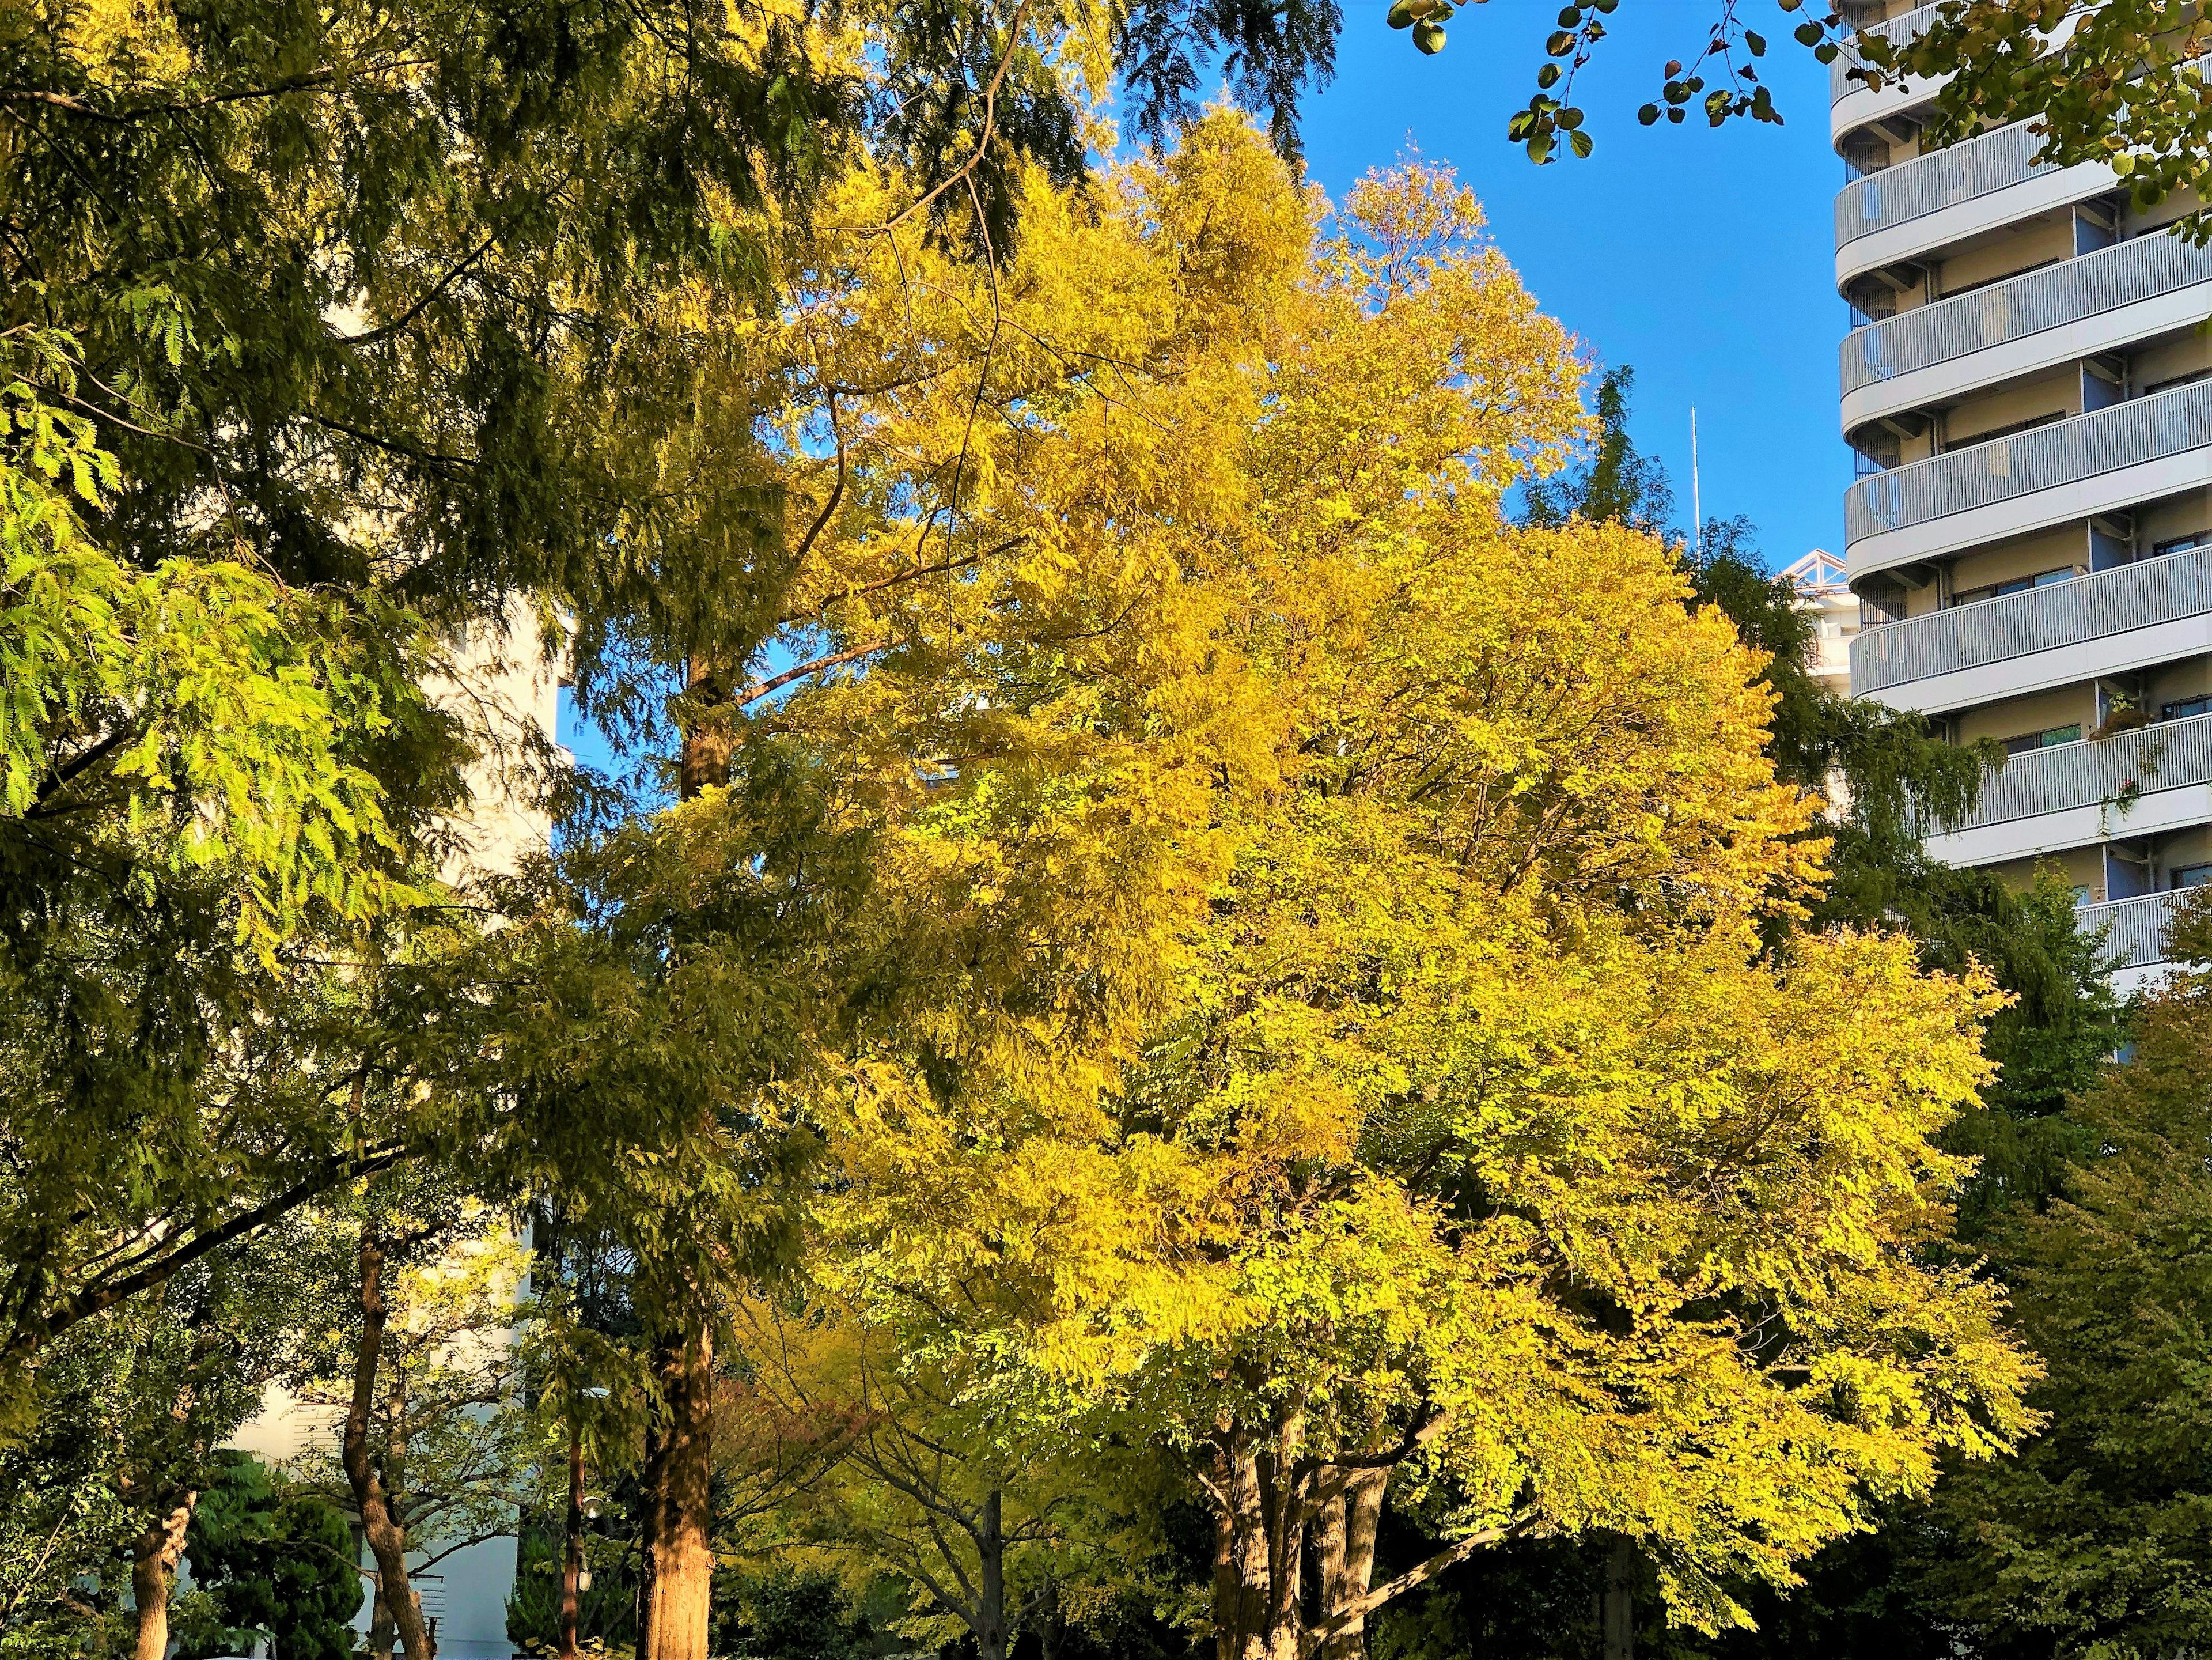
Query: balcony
{"type": "Point", "coordinates": [2096, 284]}
{"type": "Point", "coordinates": [2129, 450]}
{"type": "Point", "coordinates": [1910, 27]}
{"type": "Point", "coordinates": [2139, 928]}
{"type": "Point", "coordinates": [2143, 595]}
{"type": "Point", "coordinates": [2117, 778]}
{"type": "Point", "coordinates": [1942, 179]}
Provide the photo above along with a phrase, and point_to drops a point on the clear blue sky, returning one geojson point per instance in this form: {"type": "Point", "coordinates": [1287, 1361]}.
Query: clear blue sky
{"type": "Point", "coordinates": [1703, 258]}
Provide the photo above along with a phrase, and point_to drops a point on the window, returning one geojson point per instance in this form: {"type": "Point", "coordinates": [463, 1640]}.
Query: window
{"type": "Point", "coordinates": [2184, 543]}
{"type": "Point", "coordinates": [2016, 585]}
{"type": "Point", "coordinates": [2045, 739]}
{"type": "Point", "coordinates": [2192, 876]}
{"type": "Point", "coordinates": [2182, 709]}
{"type": "Point", "coordinates": [1950, 293]}
{"type": "Point", "coordinates": [1995, 432]}
{"type": "Point", "coordinates": [2157, 386]}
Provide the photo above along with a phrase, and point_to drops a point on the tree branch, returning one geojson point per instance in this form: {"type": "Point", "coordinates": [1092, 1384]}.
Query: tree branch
{"type": "Point", "coordinates": [373, 336]}
{"type": "Point", "coordinates": [760, 689]}
{"type": "Point", "coordinates": [83, 1304]}
{"type": "Point", "coordinates": [1364, 1604]}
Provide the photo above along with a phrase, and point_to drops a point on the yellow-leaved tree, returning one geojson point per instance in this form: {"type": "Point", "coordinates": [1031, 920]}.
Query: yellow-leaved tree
{"type": "Point", "coordinates": [1381, 1078]}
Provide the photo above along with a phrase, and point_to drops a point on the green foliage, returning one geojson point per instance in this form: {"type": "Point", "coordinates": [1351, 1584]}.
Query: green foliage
{"type": "Point", "coordinates": [1615, 483]}
{"type": "Point", "coordinates": [275, 1563]}
{"type": "Point", "coordinates": [135, 1404]}
{"type": "Point", "coordinates": [783, 1615]}
{"type": "Point", "coordinates": [2093, 1540]}
{"type": "Point", "coordinates": [606, 1612]}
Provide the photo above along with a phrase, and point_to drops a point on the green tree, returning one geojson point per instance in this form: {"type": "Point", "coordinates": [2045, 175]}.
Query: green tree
{"type": "Point", "coordinates": [97, 1500]}
{"type": "Point", "coordinates": [2093, 1539]}
{"type": "Point", "coordinates": [274, 1562]}
{"type": "Point", "coordinates": [1616, 483]}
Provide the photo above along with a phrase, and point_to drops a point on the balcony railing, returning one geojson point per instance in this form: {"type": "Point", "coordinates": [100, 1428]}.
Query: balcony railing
{"type": "Point", "coordinates": [2110, 772]}
{"type": "Point", "coordinates": [2064, 452]}
{"type": "Point", "coordinates": [2150, 591]}
{"type": "Point", "coordinates": [2142, 269]}
{"type": "Point", "coordinates": [1941, 178]}
{"type": "Point", "coordinates": [2139, 927]}
{"type": "Point", "coordinates": [1910, 27]}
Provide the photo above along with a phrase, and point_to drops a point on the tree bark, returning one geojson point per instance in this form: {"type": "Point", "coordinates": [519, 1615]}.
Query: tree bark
{"type": "Point", "coordinates": [572, 1549]}
{"type": "Point", "coordinates": [707, 746]}
{"type": "Point", "coordinates": [387, 1538]}
{"type": "Point", "coordinates": [990, 1623]}
{"type": "Point", "coordinates": [678, 1577]}
{"type": "Point", "coordinates": [1344, 1541]}
{"type": "Point", "coordinates": [1263, 1500]}
{"type": "Point", "coordinates": [1619, 1604]}
{"type": "Point", "coordinates": [679, 1559]}
{"type": "Point", "coordinates": [154, 1557]}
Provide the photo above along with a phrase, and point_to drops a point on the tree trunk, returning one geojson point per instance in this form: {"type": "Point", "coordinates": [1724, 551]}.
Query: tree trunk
{"type": "Point", "coordinates": [990, 1624]}
{"type": "Point", "coordinates": [679, 1559]}
{"type": "Point", "coordinates": [707, 747]}
{"type": "Point", "coordinates": [572, 1548]}
{"type": "Point", "coordinates": [1261, 1501]}
{"type": "Point", "coordinates": [387, 1539]}
{"type": "Point", "coordinates": [1619, 1606]}
{"type": "Point", "coordinates": [154, 1557]}
{"type": "Point", "coordinates": [677, 1576]}
{"type": "Point", "coordinates": [1344, 1553]}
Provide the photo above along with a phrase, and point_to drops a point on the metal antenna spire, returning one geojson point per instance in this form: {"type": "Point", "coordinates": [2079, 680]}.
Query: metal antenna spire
{"type": "Point", "coordinates": [1696, 512]}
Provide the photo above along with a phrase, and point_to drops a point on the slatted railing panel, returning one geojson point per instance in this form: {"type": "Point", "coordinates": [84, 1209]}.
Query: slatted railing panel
{"type": "Point", "coordinates": [2148, 592]}
{"type": "Point", "coordinates": [1942, 179]}
{"type": "Point", "coordinates": [2064, 452]}
{"type": "Point", "coordinates": [2139, 928]}
{"type": "Point", "coordinates": [2142, 268]}
{"type": "Point", "coordinates": [1910, 27]}
{"type": "Point", "coordinates": [2164, 757]}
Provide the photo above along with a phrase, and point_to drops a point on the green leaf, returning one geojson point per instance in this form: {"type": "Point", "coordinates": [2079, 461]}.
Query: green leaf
{"type": "Point", "coordinates": [1580, 143]}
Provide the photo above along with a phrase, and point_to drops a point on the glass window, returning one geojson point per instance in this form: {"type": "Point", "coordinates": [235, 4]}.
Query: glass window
{"type": "Point", "coordinates": [2182, 709]}
{"type": "Point", "coordinates": [2192, 876]}
{"type": "Point", "coordinates": [2179, 380]}
{"type": "Point", "coordinates": [2043, 740]}
{"type": "Point", "coordinates": [2016, 585]}
{"type": "Point", "coordinates": [2184, 543]}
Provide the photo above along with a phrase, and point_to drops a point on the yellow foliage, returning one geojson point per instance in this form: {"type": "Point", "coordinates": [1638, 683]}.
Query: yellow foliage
{"type": "Point", "coordinates": [1335, 1011]}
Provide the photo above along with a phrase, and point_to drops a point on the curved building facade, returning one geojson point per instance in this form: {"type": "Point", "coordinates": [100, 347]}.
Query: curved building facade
{"type": "Point", "coordinates": [2028, 391]}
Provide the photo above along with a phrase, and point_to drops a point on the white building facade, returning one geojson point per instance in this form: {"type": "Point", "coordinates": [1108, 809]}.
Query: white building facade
{"type": "Point", "coordinates": [2029, 396]}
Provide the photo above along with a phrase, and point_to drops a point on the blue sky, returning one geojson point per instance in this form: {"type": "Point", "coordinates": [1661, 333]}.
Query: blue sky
{"type": "Point", "coordinates": [1703, 258]}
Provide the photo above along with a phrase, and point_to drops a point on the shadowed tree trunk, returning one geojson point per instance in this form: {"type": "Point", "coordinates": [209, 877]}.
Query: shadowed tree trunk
{"type": "Point", "coordinates": [679, 1465]}
{"type": "Point", "coordinates": [1620, 1613]}
{"type": "Point", "coordinates": [571, 1544]}
{"type": "Point", "coordinates": [387, 1539]}
{"type": "Point", "coordinates": [1344, 1554]}
{"type": "Point", "coordinates": [154, 1557]}
{"type": "Point", "coordinates": [1269, 1495]}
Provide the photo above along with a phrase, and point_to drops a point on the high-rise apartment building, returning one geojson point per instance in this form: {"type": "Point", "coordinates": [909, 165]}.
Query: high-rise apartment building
{"type": "Point", "coordinates": [2027, 388]}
